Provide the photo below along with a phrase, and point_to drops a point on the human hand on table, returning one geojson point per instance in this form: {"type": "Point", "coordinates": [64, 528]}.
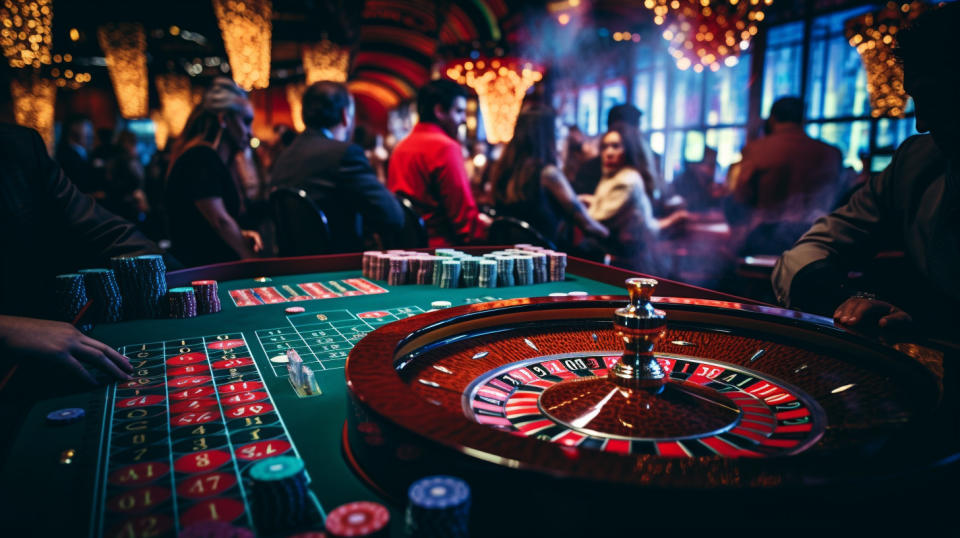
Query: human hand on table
{"type": "Point", "coordinates": [253, 239]}
{"type": "Point", "coordinates": [61, 346]}
{"type": "Point", "coordinates": [866, 312]}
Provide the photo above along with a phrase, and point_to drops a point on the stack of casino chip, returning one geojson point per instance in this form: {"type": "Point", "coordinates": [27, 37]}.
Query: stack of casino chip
{"type": "Point", "coordinates": [523, 264]}
{"type": "Point", "coordinates": [505, 265]}
{"type": "Point", "coordinates": [69, 296]}
{"type": "Point", "coordinates": [487, 277]}
{"type": "Point", "coordinates": [361, 518]}
{"type": "Point", "coordinates": [382, 266]}
{"type": "Point", "coordinates": [470, 267]}
{"type": "Point", "coordinates": [150, 275]}
{"type": "Point", "coordinates": [438, 506]}
{"type": "Point", "coordinates": [449, 273]}
{"type": "Point", "coordinates": [558, 266]}
{"type": "Point", "coordinates": [279, 495]}
{"type": "Point", "coordinates": [104, 294]}
{"type": "Point", "coordinates": [368, 267]}
{"type": "Point", "coordinates": [182, 303]}
{"type": "Point", "coordinates": [397, 274]}
{"type": "Point", "coordinates": [208, 301]}
{"type": "Point", "coordinates": [427, 265]}
{"type": "Point", "coordinates": [541, 272]}
{"type": "Point", "coordinates": [125, 270]}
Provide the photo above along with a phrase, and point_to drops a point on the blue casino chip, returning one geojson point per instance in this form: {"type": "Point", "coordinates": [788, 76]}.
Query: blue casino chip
{"type": "Point", "coordinates": [439, 492]}
{"type": "Point", "coordinates": [65, 416]}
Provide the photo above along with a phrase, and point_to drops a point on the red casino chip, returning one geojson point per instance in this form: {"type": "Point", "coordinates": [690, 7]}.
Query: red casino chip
{"type": "Point", "coordinates": [361, 518]}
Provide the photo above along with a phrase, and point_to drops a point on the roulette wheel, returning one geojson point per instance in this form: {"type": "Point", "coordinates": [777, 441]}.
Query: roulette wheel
{"type": "Point", "coordinates": [571, 414]}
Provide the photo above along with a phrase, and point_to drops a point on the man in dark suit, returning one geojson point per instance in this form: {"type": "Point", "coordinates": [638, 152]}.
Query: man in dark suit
{"type": "Point", "coordinates": [50, 227]}
{"type": "Point", "coordinates": [73, 154]}
{"type": "Point", "coordinates": [335, 173]}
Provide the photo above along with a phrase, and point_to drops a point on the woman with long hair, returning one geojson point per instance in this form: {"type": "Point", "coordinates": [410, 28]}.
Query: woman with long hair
{"type": "Point", "coordinates": [528, 183]}
{"type": "Point", "coordinates": [204, 196]}
{"type": "Point", "coordinates": [623, 199]}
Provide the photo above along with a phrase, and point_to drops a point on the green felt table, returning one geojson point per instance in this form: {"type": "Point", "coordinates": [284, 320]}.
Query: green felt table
{"type": "Point", "coordinates": [314, 423]}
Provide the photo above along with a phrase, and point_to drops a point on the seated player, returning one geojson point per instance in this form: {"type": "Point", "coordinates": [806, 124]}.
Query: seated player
{"type": "Point", "coordinates": [428, 167]}
{"type": "Point", "coordinates": [622, 201]}
{"type": "Point", "coordinates": [335, 173]}
{"type": "Point", "coordinates": [913, 206]}
{"type": "Point", "coordinates": [204, 197]}
{"type": "Point", "coordinates": [51, 228]}
{"type": "Point", "coordinates": [528, 184]}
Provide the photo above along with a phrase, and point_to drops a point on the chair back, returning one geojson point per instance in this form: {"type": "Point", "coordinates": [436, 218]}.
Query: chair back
{"type": "Point", "coordinates": [414, 231]}
{"type": "Point", "coordinates": [510, 231]}
{"type": "Point", "coordinates": [302, 228]}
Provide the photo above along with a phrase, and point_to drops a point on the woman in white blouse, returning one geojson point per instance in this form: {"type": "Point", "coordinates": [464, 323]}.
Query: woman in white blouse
{"type": "Point", "coordinates": [622, 200]}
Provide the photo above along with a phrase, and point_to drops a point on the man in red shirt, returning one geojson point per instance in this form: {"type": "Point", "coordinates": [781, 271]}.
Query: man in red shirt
{"type": "Point", "coordinates": [427, 166]}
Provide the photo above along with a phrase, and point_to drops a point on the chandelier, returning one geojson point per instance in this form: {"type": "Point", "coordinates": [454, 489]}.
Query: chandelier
{"type": "Point", "coordinates": [705, 33]}
{"type": "Point", "coordinates": [125, 45]}
{"type": "Point", "coordinates": [25, 33]}
{"type": "Point", "coordinates": [295, 99]}
{"type": "Point", "coordinates": [161, 131]}
{"type": "Point", "coordinates": [176, 101]}
{"type": "Point", "coordinates": [33, 100]}
{"type": "Point", "coordinates": [874, 36]}
{"type": "Point", "coordinates": [246, 28]}
{"type": "Point", "coordinates": [500, 85]}
{"type": "Point", "coordinates": [325, 61]}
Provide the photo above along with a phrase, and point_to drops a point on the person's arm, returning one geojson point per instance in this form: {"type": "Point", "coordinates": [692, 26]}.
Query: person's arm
{"type": "Point", "coordinates": [556, 185]}
{"type": "Point", "coordinates": [244, 242]}
{"type": "Point", "coordinates": [59, 345]}
{"type": "Point", "coordinates": [453, 187]}
{"type": "Point", "coordinates": [378, 206]}
{"type": "Point", "coordinates": [811, 275]}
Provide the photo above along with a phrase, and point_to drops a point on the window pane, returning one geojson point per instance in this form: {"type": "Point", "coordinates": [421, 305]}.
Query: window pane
{"type": "Point", "coordinates": [687, 97]}
{"type": "Point", "coordinates": [693, 147]}
{"type": "Point", "coordinates": [781, 75]}
{"type": "Point", "coordinates": [587, 110]}
{"type": "Point", "coordinates": [658, 108]}
{"type": "Point", "coordinates": [614, 93]}
{"type": "Point", "coordinates": [892, 133]}
{"type": "Point", "coordinates": [672, 158]}
{"type": "Point", "coordinates": [727, 143]}
{"type": "Point", "coordinates": [641, 97]}
{"type": "Point", "coordinates": [727, 100]}
{"type": "Point", "coordinates": [785, 35]}
{"type": "Point", "coordinates": [852, 138]}
{"type": "Point", "coordinates": [845, 88]}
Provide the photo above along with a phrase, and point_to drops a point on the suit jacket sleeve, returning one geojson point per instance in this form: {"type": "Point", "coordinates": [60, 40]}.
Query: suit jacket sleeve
{"type": "Point", "coordinates": [378, 206]}
{"type": "Point", "coordinates": [815, 268]}
{"type": "Point", "coordinates": [88, 223]}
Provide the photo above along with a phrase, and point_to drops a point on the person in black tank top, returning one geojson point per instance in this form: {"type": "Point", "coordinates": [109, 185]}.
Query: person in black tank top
{"type": "Point", "coordinates": [203, 195]}
{"type": "Point", "coordinates": [529, 185]}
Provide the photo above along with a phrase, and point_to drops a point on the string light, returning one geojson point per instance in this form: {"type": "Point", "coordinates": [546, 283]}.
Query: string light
{"type": "Point", "coordinates": [161, 131]}
{"type": "Point", "coordinates": [874, 36]}
{"type": "Point", "coordinates": [705, 34]}
{"type": "Point", "coordinates": [124, 45]}
{"type": "Point", "coordinates": [295, 99]}
{"type": "Point", "coordinates": [25, 32]}
{"type": "Point", "coordinates": [33, 101]}
{"type": "Point", "coordinates": [325, 61]}
{"type": "Point", "coordinates": [500, 85]}
{"type": "Point", "coordinates": [246, 29]}
{"type": "Point", "coordinates": [176, 101]}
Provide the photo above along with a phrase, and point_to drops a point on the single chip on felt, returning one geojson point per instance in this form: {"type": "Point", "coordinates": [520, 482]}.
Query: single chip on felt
{"type": "Point", "coordinates": [65, 416]}
{"type": "Point", "coordinates": [361, 518]}
{"type": "Point", "coordinates": [262, 279]}
{"type": "Point", "coordinates": [295, 310]}
{"type": "Point", "coordinates": [441, 304]}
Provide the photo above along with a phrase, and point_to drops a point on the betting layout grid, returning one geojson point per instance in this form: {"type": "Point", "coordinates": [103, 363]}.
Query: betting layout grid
{"type": "Point", "coordinates": [323, 339]}
{"type": "Point", "coordinates": [179, 436]}
{"type": "Point", "coordinates": [304, 291]}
